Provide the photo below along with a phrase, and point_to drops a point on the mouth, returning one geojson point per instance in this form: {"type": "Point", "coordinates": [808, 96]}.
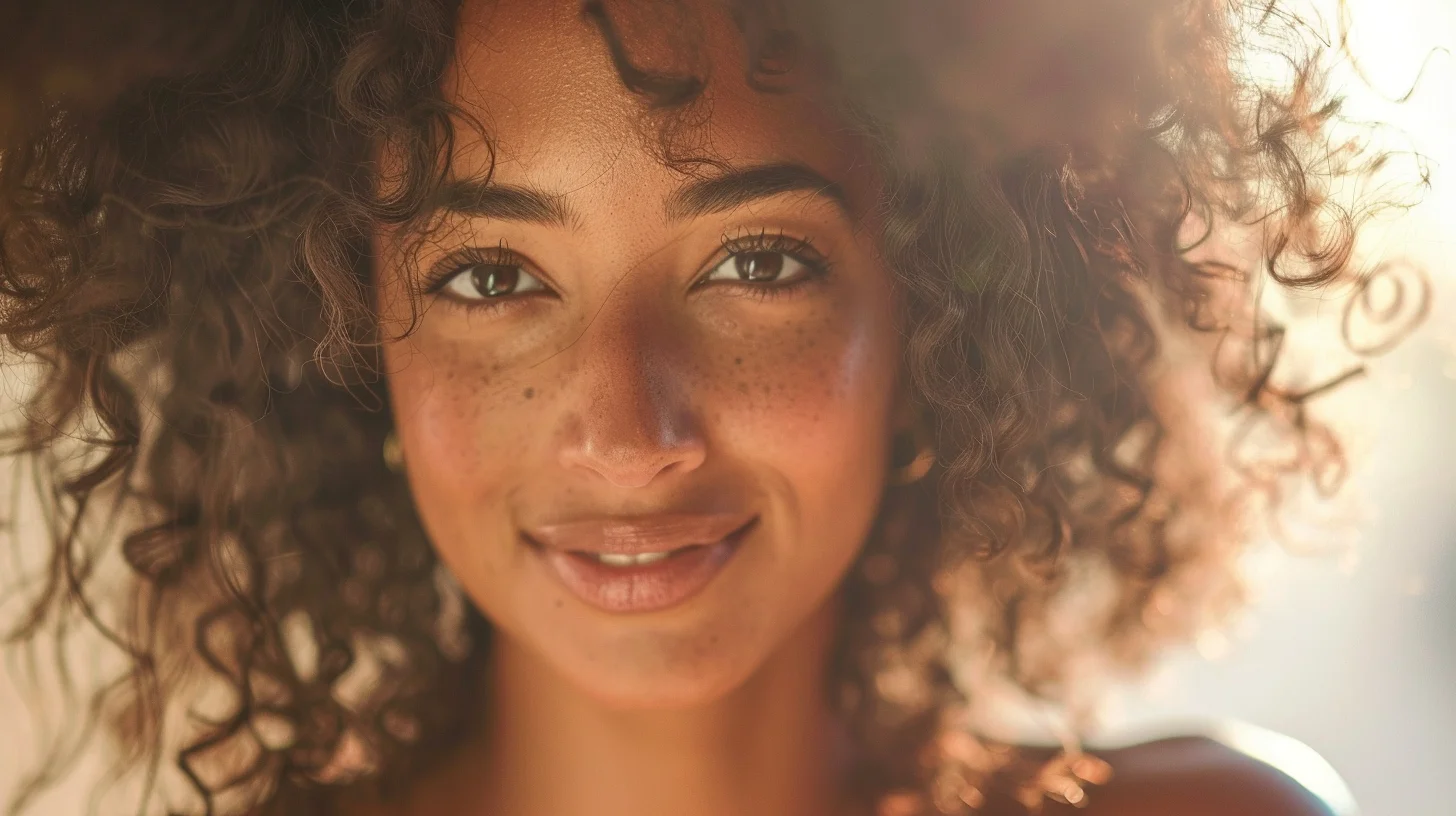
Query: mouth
{"type": "Point", "coordinates": [639, 566]}
{"type": "Point", "coordinates": [630, 560]}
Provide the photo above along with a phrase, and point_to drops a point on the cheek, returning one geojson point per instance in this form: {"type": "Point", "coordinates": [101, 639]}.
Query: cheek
{"type": "Point", "coordinates": [459, 417]}
{"type": "Point", "coordinates": [811, 403]}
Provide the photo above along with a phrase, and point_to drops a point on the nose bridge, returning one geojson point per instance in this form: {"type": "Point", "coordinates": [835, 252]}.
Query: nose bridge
{"type": "Point", "coordinates": [631, 414]}
{"type": "Point", "coordinates": [626, 370]}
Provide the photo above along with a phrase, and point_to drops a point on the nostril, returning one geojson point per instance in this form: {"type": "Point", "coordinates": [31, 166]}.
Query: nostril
{"type": "Point", "coordinates": [634, 466]}
{"type": "Point", "coordinates": [630, 429]}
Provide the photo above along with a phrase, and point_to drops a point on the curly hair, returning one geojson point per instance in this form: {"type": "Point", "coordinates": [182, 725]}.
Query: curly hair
{"type": "Point", "coordinates": [184, 222]}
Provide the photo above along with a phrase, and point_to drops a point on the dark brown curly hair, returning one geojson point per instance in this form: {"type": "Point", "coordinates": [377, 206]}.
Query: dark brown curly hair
{"type": "Point", "coordinates": [186, 196]}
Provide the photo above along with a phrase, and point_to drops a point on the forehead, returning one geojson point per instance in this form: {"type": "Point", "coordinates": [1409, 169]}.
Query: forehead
{"type": "Point", "coordinates": [540, 76]}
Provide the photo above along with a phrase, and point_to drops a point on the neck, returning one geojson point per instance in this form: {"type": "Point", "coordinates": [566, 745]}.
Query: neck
{"type": "Point", "coordinates": [770, 746]}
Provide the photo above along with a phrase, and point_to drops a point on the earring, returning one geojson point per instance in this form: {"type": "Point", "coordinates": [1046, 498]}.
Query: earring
{"type": "Point", "coordinates": [392, 454]}
{"type": "Point", "coordinates": [915, 454]}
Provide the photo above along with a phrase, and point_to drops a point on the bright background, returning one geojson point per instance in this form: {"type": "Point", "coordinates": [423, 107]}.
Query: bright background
{"type": "Point", "coordinates": [1354, 656]}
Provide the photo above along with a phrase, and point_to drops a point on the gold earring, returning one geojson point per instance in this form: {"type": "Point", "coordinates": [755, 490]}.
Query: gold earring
{"type": "Point", "coordinates": [392, 453]}
{"type": "Point", "coordinates": [920, 454]}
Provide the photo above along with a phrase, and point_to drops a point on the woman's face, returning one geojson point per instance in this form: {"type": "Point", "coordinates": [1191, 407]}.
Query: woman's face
{"type": "Point", "coordinates": [646, 413]}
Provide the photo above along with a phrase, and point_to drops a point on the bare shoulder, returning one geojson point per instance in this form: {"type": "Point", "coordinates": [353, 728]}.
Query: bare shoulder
{"type": "Point", "coordinates": [1233, 771]}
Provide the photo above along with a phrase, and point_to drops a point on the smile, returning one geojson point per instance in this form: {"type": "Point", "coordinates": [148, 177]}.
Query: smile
{"type": "Point", "coordinates": [627, 560]}
{"type": "Point", "coordinates": [639, 565]}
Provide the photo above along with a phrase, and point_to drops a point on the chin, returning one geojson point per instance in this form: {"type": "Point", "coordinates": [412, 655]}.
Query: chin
{"type": "Point", "coordinates": [655, 669]}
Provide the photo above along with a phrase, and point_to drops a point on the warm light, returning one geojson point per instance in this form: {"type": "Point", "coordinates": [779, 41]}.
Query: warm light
{"type": "Point", "coordinates": [1405, 48]}
{"type": "Point", "coordinates": [1295, 759]}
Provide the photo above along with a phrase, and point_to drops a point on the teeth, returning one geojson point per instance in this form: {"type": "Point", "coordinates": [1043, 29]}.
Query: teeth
{"type": "Point", "coordinates": [624, 560]}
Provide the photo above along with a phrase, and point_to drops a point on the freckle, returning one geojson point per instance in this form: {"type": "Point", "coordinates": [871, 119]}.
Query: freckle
{"type": "Point", "coordinates": [743, 388]}
{"type": "Point", "coordinates": [528, 393]}
{"type": "Point", "coordinates": [737, 361]}
{"type": "Point", "coordinates": [558, 604]}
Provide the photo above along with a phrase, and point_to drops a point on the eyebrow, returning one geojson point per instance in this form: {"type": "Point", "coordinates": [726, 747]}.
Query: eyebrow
{"type": "Point", "coordinates": [506, 202]}
{"type": "Point", "coordinates": [738, 187]}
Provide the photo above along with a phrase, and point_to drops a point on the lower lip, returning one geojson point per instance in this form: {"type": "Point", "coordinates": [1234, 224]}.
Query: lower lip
{"type": "Point", "coordinates": [643, 587]}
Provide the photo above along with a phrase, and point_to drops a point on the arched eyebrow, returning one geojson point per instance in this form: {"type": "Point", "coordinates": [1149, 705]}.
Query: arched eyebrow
{"type": "Point", "coordinates": [738, 187]}
{"type": "Point", "coordinates": [505, 202]}
{"type": "Point", "coordinates": [716, 194]}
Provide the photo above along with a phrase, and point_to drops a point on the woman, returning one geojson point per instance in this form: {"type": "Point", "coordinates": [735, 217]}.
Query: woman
{"type": "Point", "coordinates": [660, 407]}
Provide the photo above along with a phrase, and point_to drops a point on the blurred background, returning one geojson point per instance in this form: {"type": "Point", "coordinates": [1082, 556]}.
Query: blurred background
{"type": "Point", "coordinates": [1354, 653]}
{"type": "Point", "coordinates": [1351, 652]}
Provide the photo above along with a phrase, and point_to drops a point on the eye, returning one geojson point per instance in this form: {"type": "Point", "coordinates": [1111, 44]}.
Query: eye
{"type": "Point", "coordinates": [760, 266]}
{"type": "Point", "coordinates": [486, 280]}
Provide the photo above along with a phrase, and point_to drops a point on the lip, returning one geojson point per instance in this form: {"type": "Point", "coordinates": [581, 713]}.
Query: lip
{"type": "Point", "coordinates": [701, 545]}
{"type": "Point", "coordinates": [640, 534]}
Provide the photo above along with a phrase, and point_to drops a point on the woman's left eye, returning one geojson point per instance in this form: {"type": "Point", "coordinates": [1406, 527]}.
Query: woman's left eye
{"type": "Point", "coordinates": [760, 266]}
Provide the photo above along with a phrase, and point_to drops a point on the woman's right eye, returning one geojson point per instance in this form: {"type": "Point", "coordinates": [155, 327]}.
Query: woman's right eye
{"type": "Point", "coordinates": [486, 281]}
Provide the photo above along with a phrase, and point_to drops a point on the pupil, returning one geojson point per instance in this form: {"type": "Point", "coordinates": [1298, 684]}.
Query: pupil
{"type": "Point", "coordinates": [495, 279]}
{"type": "Point", "coordinates": [759, 266]}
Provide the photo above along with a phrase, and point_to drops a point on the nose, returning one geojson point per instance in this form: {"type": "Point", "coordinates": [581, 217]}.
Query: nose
{"type": "Point", "coordinates": [633, 422]}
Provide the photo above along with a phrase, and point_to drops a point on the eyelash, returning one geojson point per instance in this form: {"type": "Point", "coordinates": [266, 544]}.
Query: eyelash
{"type": "Point", "coordinates": [450, 267]}
{"type": "Point", "coordinates": [800, 249]}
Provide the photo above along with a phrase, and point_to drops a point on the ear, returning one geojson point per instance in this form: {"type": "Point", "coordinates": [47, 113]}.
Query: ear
{"type": "Point", "coordinates": [912, 444]}
{"type": "Point", "coordinates": [905, 410]}
{"type": "Point", "coordinates": [906, 423]}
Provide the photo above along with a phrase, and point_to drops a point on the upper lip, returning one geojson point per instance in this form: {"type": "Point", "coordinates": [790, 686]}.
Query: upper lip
{"type": "Point", "coordinates": [632, 535]}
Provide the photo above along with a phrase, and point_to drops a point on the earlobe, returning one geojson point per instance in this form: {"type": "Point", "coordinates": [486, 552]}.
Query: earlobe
{"type": "Point", "coordinates": [921, 460]}
{"type": "Point", "coordinates": [912, 449]}
{"type": "Point", "coordinates": [392, 453]}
